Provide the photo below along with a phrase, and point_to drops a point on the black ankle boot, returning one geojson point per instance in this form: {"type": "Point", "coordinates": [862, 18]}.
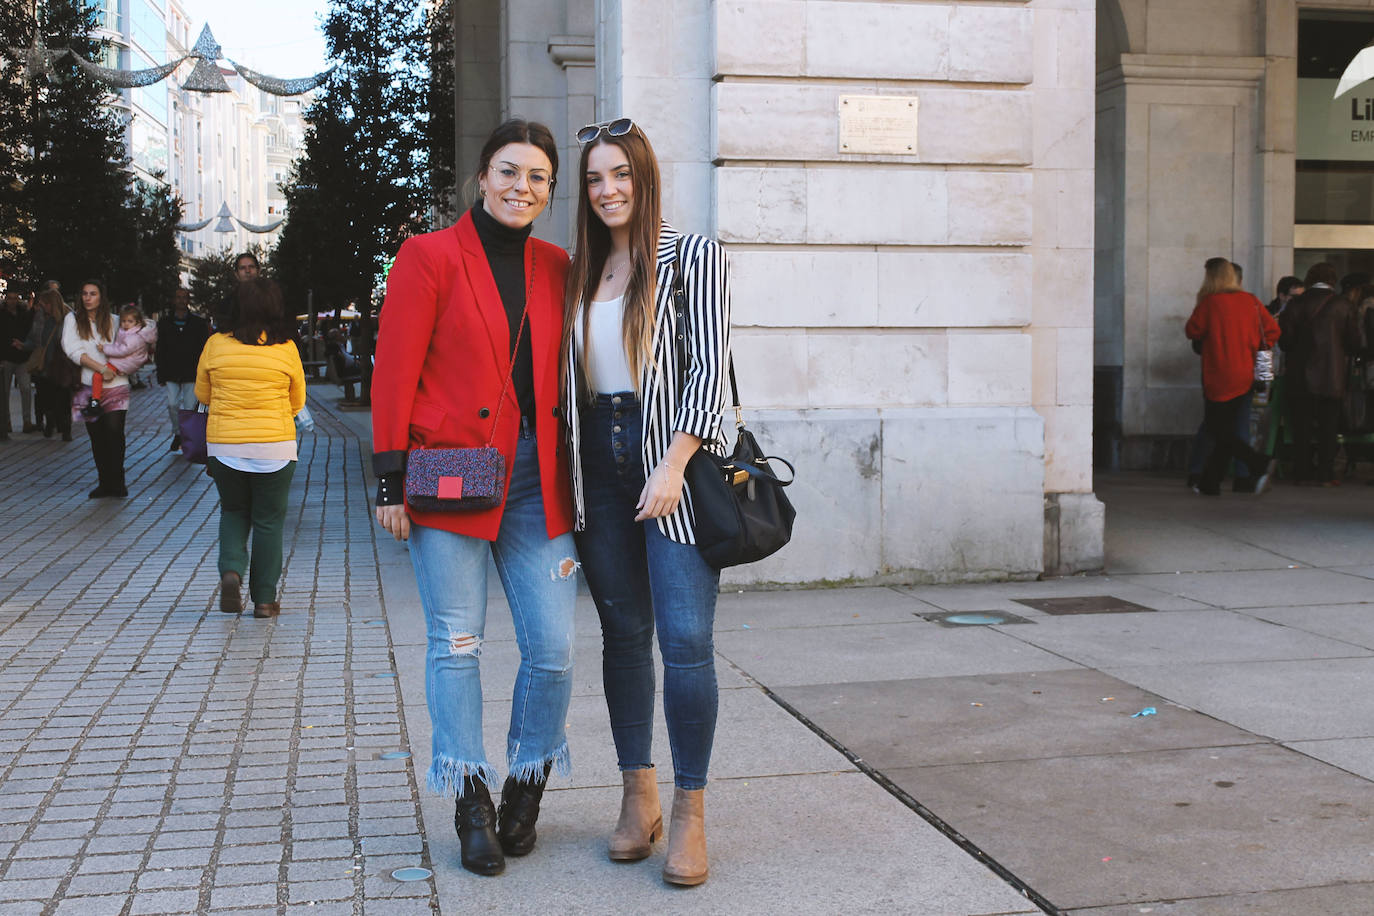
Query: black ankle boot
{"type": "Point", "coordinates": [475, 820]}
{"type": "Point", "coordinates": [519, 810]}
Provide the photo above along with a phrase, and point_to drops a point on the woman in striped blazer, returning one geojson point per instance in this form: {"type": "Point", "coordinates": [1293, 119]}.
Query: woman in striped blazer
{"type": "Point", "coordinates": [636, 414]}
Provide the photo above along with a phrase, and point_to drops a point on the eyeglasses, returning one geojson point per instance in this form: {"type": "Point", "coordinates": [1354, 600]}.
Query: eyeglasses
{"type": "Point", "coordinates": [507, 175]}
{"type": "Point", "coordinates": [617, 128]}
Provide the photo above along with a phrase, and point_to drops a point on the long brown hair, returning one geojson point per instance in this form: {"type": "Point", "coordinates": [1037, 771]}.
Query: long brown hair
{"type": "Point", "coordinates": [1220, 277]}
{"type": "Point", "coordinates": [50, 301]}
{"type": "Point", "coordinates": [592, 245]}
{"type": "Point", "coordinates": [104, 318]}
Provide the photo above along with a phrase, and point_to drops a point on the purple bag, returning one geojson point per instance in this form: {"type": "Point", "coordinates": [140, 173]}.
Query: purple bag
{"type": "Point", "coordinates": [191, 429]}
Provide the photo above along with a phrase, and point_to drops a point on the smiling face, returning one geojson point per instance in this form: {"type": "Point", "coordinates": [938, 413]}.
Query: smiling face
{"type": "Point", "coordinates": [516, 184]}
{"type": "Point", "coordinates": [610, 186]}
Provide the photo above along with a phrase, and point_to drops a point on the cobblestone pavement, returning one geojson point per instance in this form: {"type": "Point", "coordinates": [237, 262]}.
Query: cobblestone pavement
{"type": "Point", "coordinates": [157, 756]}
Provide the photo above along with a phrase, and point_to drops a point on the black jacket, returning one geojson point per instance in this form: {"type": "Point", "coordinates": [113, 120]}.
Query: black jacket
{"type": "Point", "coordinates": [179, 346]}
{"type": "Point", "coordinates": [14, 326]}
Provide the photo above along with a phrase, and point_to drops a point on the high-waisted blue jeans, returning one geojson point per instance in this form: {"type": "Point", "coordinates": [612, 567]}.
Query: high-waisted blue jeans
{"type": "Point", "coordinates": [640, 578]}
{"type": "Point", "coordinates": [537, 574]}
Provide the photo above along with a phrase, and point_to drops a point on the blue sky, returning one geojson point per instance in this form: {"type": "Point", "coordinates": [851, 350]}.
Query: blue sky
{"type": "Point", "coordinates": [279, 37]}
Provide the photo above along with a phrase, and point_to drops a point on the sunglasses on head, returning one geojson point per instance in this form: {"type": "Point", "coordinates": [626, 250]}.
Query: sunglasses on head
{"type": "Point", "coordinates": [617, 128]}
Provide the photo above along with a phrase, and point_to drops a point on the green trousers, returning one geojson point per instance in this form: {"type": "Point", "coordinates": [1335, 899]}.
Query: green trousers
{"type": "Point", "coordinates": [253, 503]}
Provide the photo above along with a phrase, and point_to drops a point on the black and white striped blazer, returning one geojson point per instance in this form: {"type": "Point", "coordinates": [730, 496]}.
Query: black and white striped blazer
{"type": "Point", "coordinates": [695, 410]}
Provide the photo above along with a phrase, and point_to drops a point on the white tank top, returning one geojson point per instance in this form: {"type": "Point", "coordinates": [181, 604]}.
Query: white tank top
{"type": "Point", "coordinates": [608, 369]}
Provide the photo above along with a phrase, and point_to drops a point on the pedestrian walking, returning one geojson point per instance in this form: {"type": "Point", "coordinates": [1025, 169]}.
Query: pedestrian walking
{"type": "Point", "coordinates": [1321, 331]}
{"type": "Point", "coordinates": [1232, 326]}
{"type": "Point", "coordinates": [16, 319]}
{"type": "Point", "coordinates": [251, 378]}
{"type": "Point", "coordinates": [103, 398]}
{"type": "Point", "coordinates": [633, 432]}
{"type": "Point", "coordinates": [467, 357]}
{"type": "Point", "coordinates": [181, 336]}
{"type": "Point", "coordinates": [48, 364]}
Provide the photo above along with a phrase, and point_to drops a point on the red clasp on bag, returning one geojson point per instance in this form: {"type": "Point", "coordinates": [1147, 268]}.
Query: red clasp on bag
{"type": "Point", "coordinates": [450, 488]}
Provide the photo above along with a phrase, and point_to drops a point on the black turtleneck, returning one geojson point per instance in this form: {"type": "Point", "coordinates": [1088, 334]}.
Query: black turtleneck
{"type": "Point", "coordinates": [505, 248]}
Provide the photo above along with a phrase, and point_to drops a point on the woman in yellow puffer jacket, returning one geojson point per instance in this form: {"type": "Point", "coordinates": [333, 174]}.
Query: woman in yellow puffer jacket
{"type": "Point", "coordinates": [251, 378]}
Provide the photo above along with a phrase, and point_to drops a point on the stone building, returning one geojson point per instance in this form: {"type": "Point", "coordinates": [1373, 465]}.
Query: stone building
{"type": "Point", "coordinates": [913, 307]}
{"type": "Point", "coordinates": [1217, 134]}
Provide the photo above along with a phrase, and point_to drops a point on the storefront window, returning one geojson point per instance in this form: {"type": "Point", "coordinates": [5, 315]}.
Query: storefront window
{"type": "Point", "coordinates": [1334, 205]}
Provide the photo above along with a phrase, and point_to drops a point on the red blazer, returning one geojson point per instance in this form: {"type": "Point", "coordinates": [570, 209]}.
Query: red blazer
{"type": "Point", "coordinates": [443, 355]}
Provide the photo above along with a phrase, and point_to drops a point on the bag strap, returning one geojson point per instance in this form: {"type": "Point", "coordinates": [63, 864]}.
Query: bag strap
{"type": "Point", "coordinates": [514, 354]}
{"type": "Point", "coordinates": [680, 307]}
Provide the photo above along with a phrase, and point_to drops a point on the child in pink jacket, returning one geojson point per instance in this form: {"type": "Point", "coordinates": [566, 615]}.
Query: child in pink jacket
{"type": "Point", "coordinates": [131, 348]}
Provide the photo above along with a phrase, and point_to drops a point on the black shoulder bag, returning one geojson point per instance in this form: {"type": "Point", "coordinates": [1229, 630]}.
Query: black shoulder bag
{"type": "Point", "coordinates": [740, 511]}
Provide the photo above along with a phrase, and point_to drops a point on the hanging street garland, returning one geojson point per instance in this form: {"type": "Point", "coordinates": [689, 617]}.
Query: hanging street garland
{"type": "Point", "coordinates": [204, 77]}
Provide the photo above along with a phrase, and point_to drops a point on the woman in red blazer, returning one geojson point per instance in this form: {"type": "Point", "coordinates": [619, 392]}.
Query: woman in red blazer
{"type": "Point", "coordinates": [467, 355]}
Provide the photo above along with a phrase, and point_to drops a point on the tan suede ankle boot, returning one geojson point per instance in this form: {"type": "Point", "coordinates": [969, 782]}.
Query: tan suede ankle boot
{"type": "Point", "coordinates": [641, 817]}
{"type": "Point", "coordinates": [686, 862]}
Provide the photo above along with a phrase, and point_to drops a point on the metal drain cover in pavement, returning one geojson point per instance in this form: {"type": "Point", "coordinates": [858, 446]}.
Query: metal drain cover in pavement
{"type": "Point", "coordinates": [1086, 604]}
{"type": "Point", "coordinates": [974, 618]}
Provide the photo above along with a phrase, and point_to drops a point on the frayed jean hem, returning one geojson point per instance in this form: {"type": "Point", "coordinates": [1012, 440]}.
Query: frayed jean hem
{"type": "Point", "coordinates": [532, 770]}
{"type": "Point", "coordinates": [446, 775]}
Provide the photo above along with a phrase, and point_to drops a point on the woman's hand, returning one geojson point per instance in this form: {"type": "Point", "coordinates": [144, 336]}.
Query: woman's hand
{"type": "Point", "coordinates": [395, 520]}
{"type": "Point", "coordinates": [662, 492]}
{"type": "Point", "coordinates": [107, 374]}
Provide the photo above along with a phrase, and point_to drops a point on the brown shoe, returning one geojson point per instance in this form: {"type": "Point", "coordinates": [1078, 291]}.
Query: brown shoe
{"type": "Point", "coordinates": [230, 599]}
{"type": "Point", "coordinates": [641, 817]}
{"type": "Point", "coordinates": [267, 609]}
{"type": "Point", "coordinates": [686, 863]}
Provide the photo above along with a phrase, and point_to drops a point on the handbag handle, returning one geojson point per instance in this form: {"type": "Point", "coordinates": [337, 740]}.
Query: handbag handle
{"type": "Point", "coordinates": [515, 352]}
{"type": "Point", "coordinates": [680, 307]}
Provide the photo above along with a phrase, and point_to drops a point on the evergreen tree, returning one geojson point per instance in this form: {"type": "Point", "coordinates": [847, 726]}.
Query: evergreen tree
{"type": "Point", "coordinates": [154, 270]}
{"type": "Point", "coordinates": [16, 31]}
{"type": "Point", "coordinates": [443, 128]}
{"type": "Point", "coordinates": [362, 184]}
{"type": "Point", "coordinates": [77, 187]}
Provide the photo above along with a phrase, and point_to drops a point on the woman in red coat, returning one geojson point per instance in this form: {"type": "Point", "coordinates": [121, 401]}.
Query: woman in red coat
{"type": "Point", "coordinates": [467, 356]}
{"type": "Point", "coordinates": [1232, 325]}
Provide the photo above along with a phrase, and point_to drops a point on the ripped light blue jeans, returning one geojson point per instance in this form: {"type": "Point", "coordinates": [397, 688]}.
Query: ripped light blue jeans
{"type": "Point", "coordinates": [541, 588]}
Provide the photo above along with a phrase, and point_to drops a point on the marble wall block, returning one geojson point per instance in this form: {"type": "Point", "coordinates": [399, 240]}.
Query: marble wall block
{"type": "Point", "coordinates": [963, 493]}
{"type": "Point", "coordinates": [989, 208]}
{"type": "Point", "coordinates": [991, 44]}
{"type": "Point", "coordinates": [771, 368]}
{"type": "Point", "coordinates": [989, 368]}
{"type": "Point", "coordinates": [1068, 448]}
{"type": "Point", "coordinates": [1063, 280]}
{"type": "Point", "coordinates": [909, 41]}
{"type": "Point", "coordinates": [761, 205]}
{"type": "Point", "coordinates": [876, 369]}
{"type": "Point", "coordinates": [800, 121]}
{"type": "Point", "coordinates": [894, 206]}
{"type": "Point", "coordinates": [837, 494]}
{"type": "Point", "coordinates": [815, 288]}
{"type": "Point", "coordinates": [953, 289]}
{"type": "Point", "coordinates": [1074, 375]}
{"type": "Point", "coordinates": [738, 25]}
